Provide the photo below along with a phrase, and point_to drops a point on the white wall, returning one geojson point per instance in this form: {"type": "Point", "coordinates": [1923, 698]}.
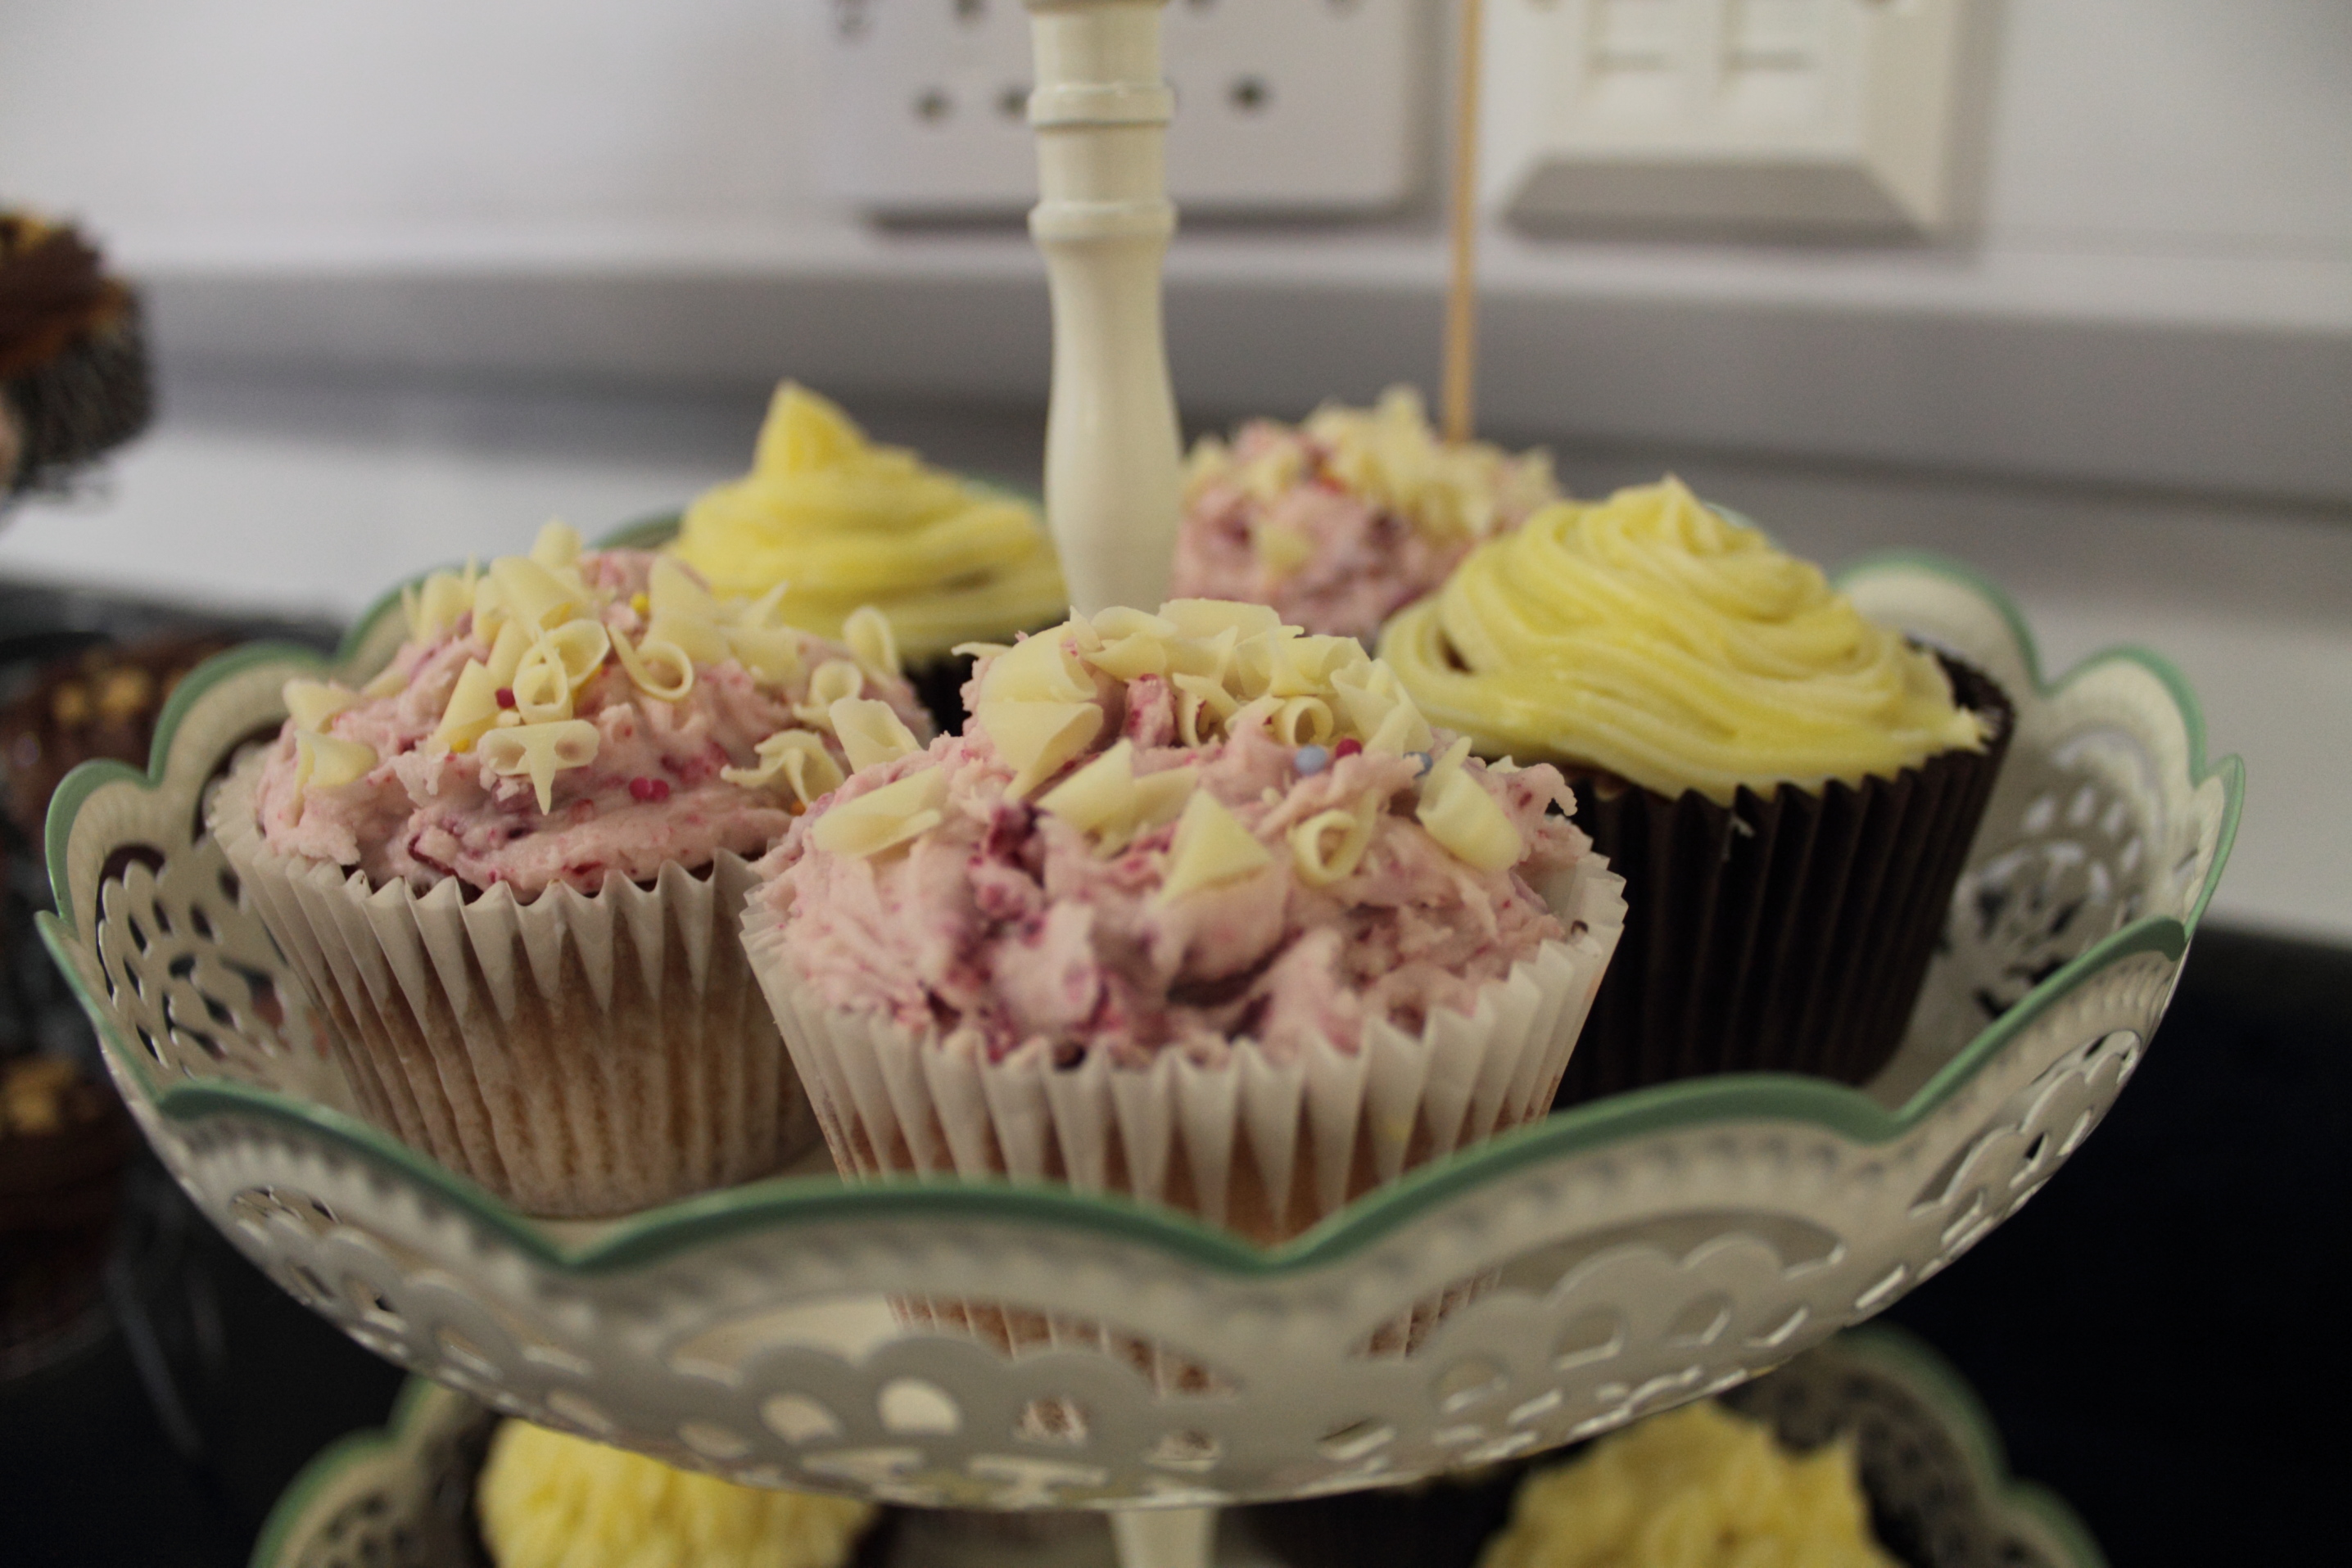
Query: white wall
{"type": "Point", "coordinates": [2159, 288]}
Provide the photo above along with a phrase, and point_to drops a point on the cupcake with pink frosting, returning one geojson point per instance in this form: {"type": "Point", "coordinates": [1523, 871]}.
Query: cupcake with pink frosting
{"type": "Point", "coordinates": [510, 868]}
{"type": "Point", "coordinates": [1197, 909]}
{"type": "Point", "coordinates": [1341, 521]}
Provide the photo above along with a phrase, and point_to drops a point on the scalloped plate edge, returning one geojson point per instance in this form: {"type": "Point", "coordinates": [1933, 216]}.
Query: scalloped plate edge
{"type": "Point", "coordinates": [657, 1232]}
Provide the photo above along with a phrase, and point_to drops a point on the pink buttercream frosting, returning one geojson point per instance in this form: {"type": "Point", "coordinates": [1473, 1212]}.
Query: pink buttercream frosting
{"type": "Point", "coordinates": [651, 795]}
{"type": "Point", "coordinates": [1004, 925]}
{"type": "Point", "coordinates": [1347, 559]}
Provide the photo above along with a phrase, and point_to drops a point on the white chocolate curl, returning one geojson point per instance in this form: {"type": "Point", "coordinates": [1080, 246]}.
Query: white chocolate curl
{"type": "Point", "coordinates": [1330, 844]}
{"type": "Point", "coordinates": [797, 756]}
{"type": "Point", "coordinates": [542, 691]}
{"type": "Point", "coordinates": [558, 545]}
{"type": "Point", "coordinates": [323, 760]}
{"type": "Point", "coordinates": [872, 642]}
{"type": "Point", "coordinates": [658, 669]}
{"type": "Point", "coordinates": [870, 732]}
{"type": "Point", "coordinates": [312, 702]}
{"type": "Point", "coordinates": [836, 680]}
{"type": "Point", "coordinates": [1106, 800]}
{"type": "Point", "coordinates": [1212, 846]}
{"type": "Point", "coordinates": [886, 818]}
{"type": "Point", "coordinates": [579, 648]}
{"type": "Point", "coordinates": [540, 751]}
{"type": "Point", "coordinates": [1038, 738]}
{"type": "Point", "coordinates": [473, 708]}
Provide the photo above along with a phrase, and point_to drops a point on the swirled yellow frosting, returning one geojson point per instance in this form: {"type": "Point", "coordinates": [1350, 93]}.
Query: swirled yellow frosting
{"type": "Point", "coordinates": [1697, 1487]}
{"type": "Point", "coordinates": [1654, 638]}
{"type": "Point", "coordinates": [842, 522]}
{"type": "Point", "coordinates": [547, 1501]}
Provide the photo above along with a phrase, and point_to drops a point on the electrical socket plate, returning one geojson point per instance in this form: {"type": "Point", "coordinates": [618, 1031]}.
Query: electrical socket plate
{"type": "Point", "coordinates": [1306, 107]}
{"type": "Point", "coordinates": [1737, 114]}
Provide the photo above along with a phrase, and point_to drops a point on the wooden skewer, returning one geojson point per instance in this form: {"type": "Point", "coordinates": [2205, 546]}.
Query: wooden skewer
{"type": "Point", "coordinates": [1462, 280]}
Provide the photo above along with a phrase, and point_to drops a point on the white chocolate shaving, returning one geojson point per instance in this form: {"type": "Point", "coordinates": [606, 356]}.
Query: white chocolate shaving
{"type": "Point", "coordinates": [886, 818]}
{"type": "Point", "coordinates": [1037, 669]}
{"type": "Point", "coordinates": [1211, 846]}
{"type": "Point", "coordinates": [1331, 844]}
{"type": "Point", "coordinates": [660, 670]}
{"type": "Point", "coordinates": [1304, 721]}
{"type": "Point", "coordinates": [473, 708]}
{"type": "Point", "coordinates": [541, 751]}
{"type": "Point", "coordinates": [532, 594]}
{"type": "Point", "coordinates": [1202, 617]}
{"type": "Point", "coordinates": [1038, 738]}
{"type": "Point", "coordinates": [513, 641]}
{"type": "Point", "coordinates": [672, 590]}
{"type": "Point", "coordinates": [542, 691]}
{"type": "Point", "coordinates": [836, 680]}
{"type": "Point", "coordinates": [329, 763]}
{"type": "Point", "coordinates": [798, 758]}
{"type": "Point", "coordinates": [558, 545]}
{"type": "Point", "coordinates": [385, 682]}
{"type": "Point", "coordinates": [435, 607]}
{"type": "Point", "coordinates": [1106, 800]}
{"type": "Point", "coordinates": [1461, 815]}
{"type": "Point", "coordinates": [310, 704]}
{"type": "Point", "coordinates": [489, 608]}
{"type": "Point", "coordinates": [578, 648]}
{"type": "Point", "coordinates": [871, 643]}
{"type": "Point", "coordinates": [870, 732]}
{"type": "Point", "coordinates": [701, 638]}
{"type": "Point", "coordinates": [771, 653]}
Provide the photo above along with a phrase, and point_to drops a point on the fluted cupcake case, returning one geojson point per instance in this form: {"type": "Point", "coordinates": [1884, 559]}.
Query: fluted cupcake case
{"type": "Point", "coordinates": [577, 1054]}
{"type": "Point", "coordinates": [1259, 1145]}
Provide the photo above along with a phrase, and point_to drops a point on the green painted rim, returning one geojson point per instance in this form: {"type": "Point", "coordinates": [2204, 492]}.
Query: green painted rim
{"type": "Point", "coordinates": [811, 1200]}
{"type": "Point", "coordinates": [415, 1396]}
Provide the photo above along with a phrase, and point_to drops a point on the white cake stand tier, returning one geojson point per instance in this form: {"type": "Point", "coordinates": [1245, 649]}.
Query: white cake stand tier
{"type": "Point", "coordinates": [1614, 1259]}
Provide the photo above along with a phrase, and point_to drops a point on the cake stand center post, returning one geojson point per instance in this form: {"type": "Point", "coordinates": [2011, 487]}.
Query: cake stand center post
{"type": "Point", "coordinates": [1100, 112]}
{"type": "Point", "coordinates": [1164, 1537]}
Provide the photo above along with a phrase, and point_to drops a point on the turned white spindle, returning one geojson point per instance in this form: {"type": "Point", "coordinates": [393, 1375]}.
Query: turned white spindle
{"type": "Point", "coordinates": [1100, 112]}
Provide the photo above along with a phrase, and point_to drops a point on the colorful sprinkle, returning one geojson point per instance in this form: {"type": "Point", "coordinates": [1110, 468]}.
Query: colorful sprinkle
{"type": "Point", "coordinates": [649, 789]}
{"type": "Point", "coordinates": [1347, 748]}
{"type": "Point", "coordinates": [1312, 759]}
{"type": "Point", "coordinates": [505, 696]}
{"type": "Point", "coordinates": [1421, 763]}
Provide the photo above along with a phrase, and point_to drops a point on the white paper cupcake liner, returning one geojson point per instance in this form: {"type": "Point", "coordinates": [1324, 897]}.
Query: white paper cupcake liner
{"type": "Point", "coordinates": [577, 1055]}
{"type": "Point", "coordinates": [1261, 1145]}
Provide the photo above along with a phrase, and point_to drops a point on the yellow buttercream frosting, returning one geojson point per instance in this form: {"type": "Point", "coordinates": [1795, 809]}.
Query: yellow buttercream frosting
{"type": "Point", "coordinates": [842, 522]}
{"type": "Point", "coordinates": [1652, 637]}
{"type": "Point", "coordinates": [1697, 1487]}
{"type": "Point", "coordinates": [547, 1501]}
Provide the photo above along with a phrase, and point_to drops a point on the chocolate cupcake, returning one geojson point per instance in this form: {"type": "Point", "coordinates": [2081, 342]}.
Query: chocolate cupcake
{"type": "Point", "coordinates": [840, 523]}
{"type": "Point", "coordinates": [64, 1139]}
{"type": "Point", "coordinates": [1788, 789]}
{"type": "Point", "coordinates": [73, 357]}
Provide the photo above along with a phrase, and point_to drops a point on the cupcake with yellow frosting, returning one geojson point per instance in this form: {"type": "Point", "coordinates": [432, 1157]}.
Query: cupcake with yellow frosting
{"type": "Point", "coordinates": [510, 870]}
{"type": "Point", "coordinates": [1197, 909]}
{"type": "Point", "coordinates": [1787, 788]}
{"type": "Point", "coordinates": [548, 1501]}
{"type": "Point", "coordinates": [1695, 1487]}
{"type": "Point", "coordinates": [1340, 521]}
{"type": "Point", "coordinates": [837, 523]}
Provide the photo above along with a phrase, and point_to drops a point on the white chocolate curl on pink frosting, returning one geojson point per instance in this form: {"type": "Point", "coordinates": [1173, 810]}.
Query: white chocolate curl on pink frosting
{"type": "Point", "coordinates": [653, 792]}
{"type": "Point", "coordinates": [1006, 921]}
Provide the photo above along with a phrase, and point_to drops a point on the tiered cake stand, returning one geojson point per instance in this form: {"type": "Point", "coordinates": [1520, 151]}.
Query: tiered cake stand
{"type": "Point", "coordinates": [1614, 1259]}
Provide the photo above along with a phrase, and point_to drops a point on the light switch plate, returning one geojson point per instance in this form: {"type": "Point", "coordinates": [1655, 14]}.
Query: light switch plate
{"type": "Point", "coordinates": [1283, 107]}
{"type": "Point", "coordinates": [1822, 115]}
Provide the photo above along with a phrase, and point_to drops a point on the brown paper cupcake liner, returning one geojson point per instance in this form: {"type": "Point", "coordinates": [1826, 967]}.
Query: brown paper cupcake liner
{"type": "Point", "coordinates": [577, 1054]}
{"type": "Point", "coordinates": [1782, 932]}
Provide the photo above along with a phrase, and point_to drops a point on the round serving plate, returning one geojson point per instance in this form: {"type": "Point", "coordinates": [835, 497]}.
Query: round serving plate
{"type": "Point", "coordinates": [1929, 1458]}
{"type": "Point", "coordinates": [1627, 1255]}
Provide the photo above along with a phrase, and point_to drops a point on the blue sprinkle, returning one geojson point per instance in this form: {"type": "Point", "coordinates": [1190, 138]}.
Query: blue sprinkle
{"type": "Point", "coordinates": [1421, 763]}
{"type": "Point", "coordinates": [1312, 759]}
